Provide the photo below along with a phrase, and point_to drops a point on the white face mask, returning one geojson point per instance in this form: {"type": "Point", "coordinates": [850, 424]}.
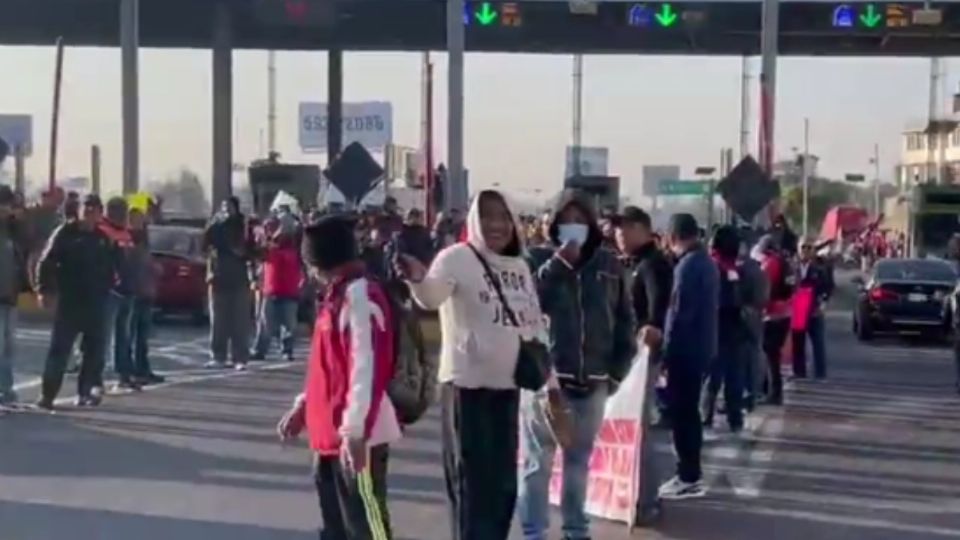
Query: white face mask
{"type": "Point", "coordinates": [573, 232]}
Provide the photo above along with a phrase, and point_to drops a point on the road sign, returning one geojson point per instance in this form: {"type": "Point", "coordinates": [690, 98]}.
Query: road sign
{"type": "Point", "coordinates": [843, 16]}
{"type": "Point", "coordinates": [855, 178]}
{"type": "Point", "coordinates": [748, 189]}
{"type": "Point", "coordinates": [593, 161]}
{"type": "Point", "coordinates": [674, 187]}
{"type": "Point", "coordinates": [510, 15]}
{"type": "Point", "coordinates": [870, 16]}
{"type": "Point", "coordinates": [666, 16]}
{"type": "Point", "coordinates": [354, 173]}
{"type": "Point", "coordinates": [640, 15]}
{"type": "Point", "coordinates": [653, 174]}
{"type": "Point", "coordinates": [368, 123]}
{"type": "Point", "coordinates": [17, 131]}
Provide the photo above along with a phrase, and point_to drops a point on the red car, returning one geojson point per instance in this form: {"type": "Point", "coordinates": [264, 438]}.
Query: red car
{"type": "Point", "coordinates": [181, 287]}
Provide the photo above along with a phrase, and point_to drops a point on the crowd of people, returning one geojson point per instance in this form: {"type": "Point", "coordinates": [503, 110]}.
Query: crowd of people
{"type": "Point", "coordinates": [709, 311]}
{"type": "Point", "coordinates": [713, 309]}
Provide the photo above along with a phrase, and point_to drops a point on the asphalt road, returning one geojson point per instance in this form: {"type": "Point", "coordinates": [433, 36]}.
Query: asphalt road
{"type": "Point", "coordinates": [872, 453]}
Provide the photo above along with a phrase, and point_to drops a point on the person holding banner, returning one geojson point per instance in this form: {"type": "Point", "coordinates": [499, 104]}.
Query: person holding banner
{"type": "Point", "coordinates": [583, 291]}
{"type": "Point", "coordinates": [814, 287]}
{"type": "Point", "coordinates": [689, 344]}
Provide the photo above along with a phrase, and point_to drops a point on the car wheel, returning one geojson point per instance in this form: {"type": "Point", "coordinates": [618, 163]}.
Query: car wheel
{"type": "Point", "coordinates": [864, 331]}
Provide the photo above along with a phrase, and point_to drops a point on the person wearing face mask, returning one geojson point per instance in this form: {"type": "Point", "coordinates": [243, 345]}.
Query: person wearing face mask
{"type": "Point", "coordinates": [689, 344]}
{"type": "Point", "coordinates": [584, 293]}
{"type": "Point", "coordinates": [478, 357]}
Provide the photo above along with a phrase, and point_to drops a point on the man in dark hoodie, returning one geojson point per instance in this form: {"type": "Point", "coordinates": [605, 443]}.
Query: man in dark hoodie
{"type": "Point", "coordinates": [583, 291]}
{"type": "Point", "coordinates": [689, 343]}
{"type": "Point", "coordinates": [12, 282]}
{"type": "Point", "coordinates": [79, 265]}
{"type": "Point", "coordinates": [230, 248]}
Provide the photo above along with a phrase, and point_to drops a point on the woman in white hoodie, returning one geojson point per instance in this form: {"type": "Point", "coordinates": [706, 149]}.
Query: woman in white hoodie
{"type": "Point", "coordinates": [477, 361]}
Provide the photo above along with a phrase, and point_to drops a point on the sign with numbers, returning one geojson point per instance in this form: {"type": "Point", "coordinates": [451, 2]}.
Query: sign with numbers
{"type": "Point", "coordinates": [368, 123]}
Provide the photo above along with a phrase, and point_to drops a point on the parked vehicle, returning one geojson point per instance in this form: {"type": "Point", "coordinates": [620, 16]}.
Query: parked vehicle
{"type": "Point", "coordinates": [903, 296]}
{"type": "Point", "coordinates": [181, 287]}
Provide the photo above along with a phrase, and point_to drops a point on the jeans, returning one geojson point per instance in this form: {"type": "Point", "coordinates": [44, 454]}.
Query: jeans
{"type": "Point", "coordinates": [230, 325]}
{"type": "Point", "coordinates": [683, 394]}
{"type": "Point", "coordinates": [727, 371]}
{"type": "Point", "coordinates": [816, 329]}
{"type": "Point", "coordinates": [141, 326]}
{"type": "Point", "coordinates": [8, 330]}
{"type": "Point", "coordinates": [121, 325]}
{"type": "Point", "coordinates": [278, 316]}
{"type": "Point", "coordinates": [539, 448]}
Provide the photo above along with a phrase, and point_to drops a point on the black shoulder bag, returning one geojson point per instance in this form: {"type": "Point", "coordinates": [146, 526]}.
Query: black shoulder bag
{"type": "Point", "coordinates": [533, 362]}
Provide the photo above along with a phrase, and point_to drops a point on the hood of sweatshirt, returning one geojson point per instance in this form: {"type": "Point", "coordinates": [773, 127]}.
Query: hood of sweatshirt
{"type": "Point", "coordinates": [474, 230]}
{"type": "Point", "coordinates": [572, 197]}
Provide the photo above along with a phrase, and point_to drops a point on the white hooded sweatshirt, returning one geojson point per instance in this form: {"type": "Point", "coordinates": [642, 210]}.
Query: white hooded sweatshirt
{"type": "Point", "coordinates": [479, 345]}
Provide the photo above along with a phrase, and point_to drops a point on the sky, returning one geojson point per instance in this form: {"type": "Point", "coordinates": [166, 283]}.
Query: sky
{"type": "Point", "coordinates": [646, 109]}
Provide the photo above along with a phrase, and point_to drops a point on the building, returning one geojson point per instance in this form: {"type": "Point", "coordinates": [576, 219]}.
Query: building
{"type": "Point", "coordinates": [930, 147]}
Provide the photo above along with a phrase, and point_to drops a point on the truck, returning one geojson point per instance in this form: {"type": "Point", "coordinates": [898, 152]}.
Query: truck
{"type": "Point", "coordinates": [269, 177]}
{"type": "Point", "coordinates": [927, 217]}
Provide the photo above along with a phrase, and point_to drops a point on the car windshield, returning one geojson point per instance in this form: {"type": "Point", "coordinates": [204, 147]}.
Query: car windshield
{"type": "Point", "coordinates": [175, 240]}
{"type": "Point", "coordinates": [916, 270]}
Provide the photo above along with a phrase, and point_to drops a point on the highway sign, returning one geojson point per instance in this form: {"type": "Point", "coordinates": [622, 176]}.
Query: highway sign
{"type": "Point", "coordinates": [855, 178]}
{"type": "Point", "coordinates": [675, 187]}
{"type": "Point", "coordinates": [653, 174]}
{"type": "Point", "coordinates": [368, 123]}
{"type": "Point", "coordinates": [17, 131]}
{"type": "Point", "coordinates": [593, 161]}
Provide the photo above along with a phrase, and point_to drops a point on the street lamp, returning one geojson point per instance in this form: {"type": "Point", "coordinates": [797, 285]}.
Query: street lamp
{"type": "Point", "coordinates": [875, 161]}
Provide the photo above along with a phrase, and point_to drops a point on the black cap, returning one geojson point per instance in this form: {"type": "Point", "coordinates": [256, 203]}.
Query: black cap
{"type": "Point", "coordinates": [330, 242]}
{"type": "Point", "coordinates": [684, 227]}
{"type": "Point", "coordinates": [631, 215]}
{"type": "Point", "coordinates": [93, 200]}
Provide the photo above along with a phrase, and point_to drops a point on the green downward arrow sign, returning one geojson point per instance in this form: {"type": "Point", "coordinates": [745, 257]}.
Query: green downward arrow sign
{"type": "Point", "coordinates": [871, 18]}
{"type": "Point", "coordinates": [666, 16]}
{"type": "Point", "coordinates": [486, 15]}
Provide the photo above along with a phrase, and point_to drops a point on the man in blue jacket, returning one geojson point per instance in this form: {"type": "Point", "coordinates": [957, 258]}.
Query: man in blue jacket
{"type": "Point", "coordinates": [585, 294]}
{"type": "Point", "coordinates": [690, 342]}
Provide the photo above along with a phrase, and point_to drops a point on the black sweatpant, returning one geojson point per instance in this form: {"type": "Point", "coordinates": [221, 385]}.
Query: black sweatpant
{"type": "Point", "coordinates": [69, 322]}
{"type": "Point", "coordinates": [683, 399]}
{"type": "Point", "coordinates": [480, 440]}
{"type": "Point", "coordinates": [354, 506]}
{"type": "Point", "coordinates": [775, 333]}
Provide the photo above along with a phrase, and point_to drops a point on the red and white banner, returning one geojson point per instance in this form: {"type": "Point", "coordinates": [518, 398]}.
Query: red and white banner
{"type": "Point", "coordinates": [613, 486]}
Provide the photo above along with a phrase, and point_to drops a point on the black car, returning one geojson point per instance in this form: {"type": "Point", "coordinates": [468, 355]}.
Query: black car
{"type": "Point", "coordinates": [904, 296]}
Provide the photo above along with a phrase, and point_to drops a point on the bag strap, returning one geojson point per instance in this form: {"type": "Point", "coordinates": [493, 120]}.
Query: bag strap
{"type": "Point", "coordinates": [496, 285]}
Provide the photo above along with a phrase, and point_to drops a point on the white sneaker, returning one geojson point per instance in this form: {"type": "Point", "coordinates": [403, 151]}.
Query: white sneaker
{"type": "Point", "coordinates": [676, 489]}
{"type": "Point", "coordinates": [710, 435]}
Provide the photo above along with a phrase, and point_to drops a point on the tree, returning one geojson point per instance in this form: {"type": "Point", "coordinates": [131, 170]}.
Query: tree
{"type": "Point", "coordinates": [182, 194]}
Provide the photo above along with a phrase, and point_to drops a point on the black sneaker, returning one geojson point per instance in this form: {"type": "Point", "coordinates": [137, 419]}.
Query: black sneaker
{"type": "Point", "coordinates": [288, 356]}
{"type": "Point", "coordinates": [128, 383]}
{"type": "Point", "coordinates": [150, 379]}
{"type": "Point", "coordinates": [45, 404]}
{"type": "Point", "coordinates": [257, 357]}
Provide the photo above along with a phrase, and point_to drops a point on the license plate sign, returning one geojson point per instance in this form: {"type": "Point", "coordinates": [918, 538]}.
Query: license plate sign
{"type": "Point", "coordinates": [917, 297]}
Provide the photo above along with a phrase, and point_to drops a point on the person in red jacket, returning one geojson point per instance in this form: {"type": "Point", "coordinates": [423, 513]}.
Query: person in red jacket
{"type": "Point", "coordinates": [282, 280]}
{"type": "Point", "coordinates": [345, 408]}
{"type": "Point", "coordinates": [776, 314]}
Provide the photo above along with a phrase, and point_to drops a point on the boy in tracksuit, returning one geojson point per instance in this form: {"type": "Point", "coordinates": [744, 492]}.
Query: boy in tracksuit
{"type": "Point", "coordinates": [345, 408]}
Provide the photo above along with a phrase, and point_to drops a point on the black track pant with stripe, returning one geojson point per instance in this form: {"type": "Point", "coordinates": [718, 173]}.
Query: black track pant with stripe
{"type": "Point", "coordinates": [354, 506]}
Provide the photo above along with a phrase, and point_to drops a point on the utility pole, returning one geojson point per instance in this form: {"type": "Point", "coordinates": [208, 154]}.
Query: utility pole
{"type": "Point", "coordinates": [271, 103]}
{"type": "Point", "coordinates": [805, 172]}
{"type": "Point", "coordinates": [455, 59]}
{"type": "Point", "coordinates": [744, 107]}
{"type": "Point", "coordinates": [876, 180]}
{"type": "Point", "coordinates": [577, 111]}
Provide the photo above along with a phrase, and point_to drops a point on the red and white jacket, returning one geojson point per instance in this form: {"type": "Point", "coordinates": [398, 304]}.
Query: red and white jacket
{"type": "Point", "coordinates": [351, 364]}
